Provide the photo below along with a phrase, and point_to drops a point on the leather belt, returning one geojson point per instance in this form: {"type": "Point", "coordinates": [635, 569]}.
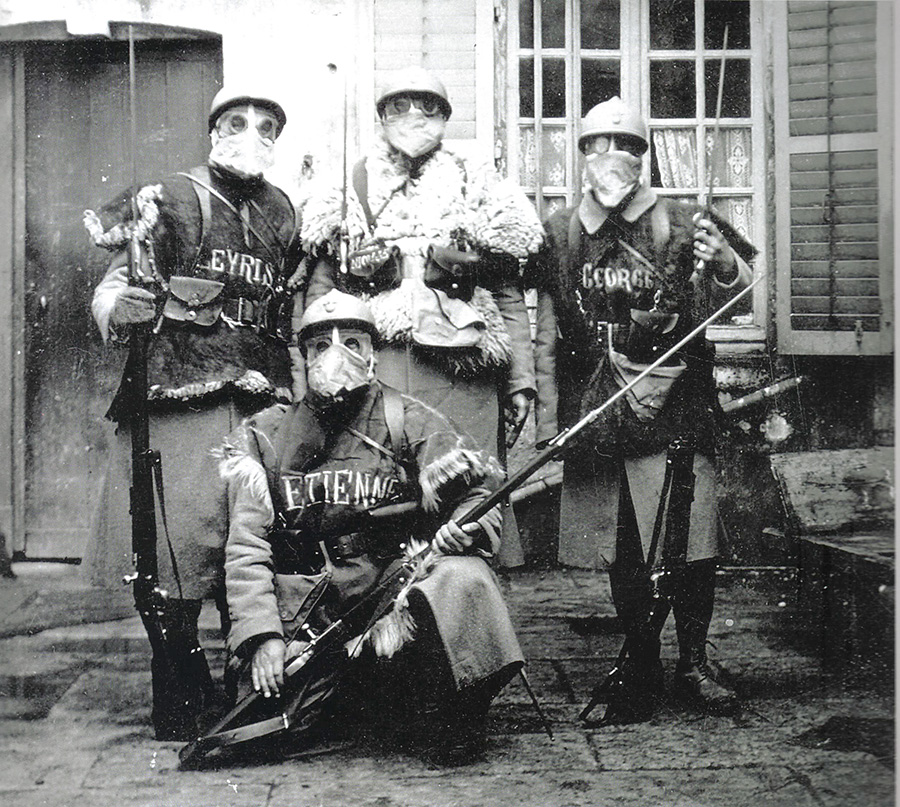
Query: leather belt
{"type": "Point", "coordinates": [242, 310]}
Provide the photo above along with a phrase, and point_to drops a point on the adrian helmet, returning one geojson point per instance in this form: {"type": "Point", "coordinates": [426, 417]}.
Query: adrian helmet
{"type": "Point", "coordinates": [336, 309]}
{"type": "Point", "coordinates": [231, 96]}
{"type": "Point", "coordinates": [612, 117]}
{"type": "Point", "coordinates": [414, 80]}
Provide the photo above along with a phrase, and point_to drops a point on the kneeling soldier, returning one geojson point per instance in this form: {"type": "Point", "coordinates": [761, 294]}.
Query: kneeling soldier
{"type": "Point", "coordinates": [302, 549]}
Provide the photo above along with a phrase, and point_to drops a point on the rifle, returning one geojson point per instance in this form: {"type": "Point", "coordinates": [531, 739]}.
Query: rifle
{"type": "Point", "coordinates": [393, 584]}
{"type": "Point", "coordinates": [675, 509]}
{"type": "Point", "coordinates": [146, 468]}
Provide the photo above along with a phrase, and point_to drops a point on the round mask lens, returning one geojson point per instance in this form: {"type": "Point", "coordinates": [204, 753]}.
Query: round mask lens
{"type": "Point", "coordinates": [232, 123]}
{"type": "Point", "coordinates": [265, 127]}
{"type": "Point", "coordinates": [599, 145]}
{"type": "Point", "coordinates": [398, 105]}
{"type": "Point", "coordinates": [429, 105]}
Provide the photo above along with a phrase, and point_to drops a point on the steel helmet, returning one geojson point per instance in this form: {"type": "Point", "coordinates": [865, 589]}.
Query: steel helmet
{"type": "Point", "coordinates": [414, 80]}
{"type": "Point", "coordinates": [612, 117]}
{"type": "Point", "coordinates": [337, 309]}
{"type": "Point", "coordinates": [229, 97]}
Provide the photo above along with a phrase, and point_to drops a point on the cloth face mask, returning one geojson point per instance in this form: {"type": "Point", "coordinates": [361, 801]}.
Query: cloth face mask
{"type": "Point", "coordinates": [247, 153]}
{"type": "Point", "coordinates": [613, 176]}
{"type": "Point", "coordinates": [413, 132]}
{"type": "Point", "coordinates": [336, 371]}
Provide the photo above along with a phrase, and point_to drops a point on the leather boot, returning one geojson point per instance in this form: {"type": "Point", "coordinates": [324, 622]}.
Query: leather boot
{"type": "Point", "coordinates": [695, 682]}
{"type": "Point", "coordinates": [635, 696]}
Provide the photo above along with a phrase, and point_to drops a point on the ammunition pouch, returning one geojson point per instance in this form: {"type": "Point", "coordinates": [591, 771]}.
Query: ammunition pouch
{"type": "Point", "coordinates": [373, 268]}
{"type": "Point", "coordinates": [297, 595]}
{"type": "Point", "coordinates": [194, 300]}
{"type": "Point", "coordinates": [452, 271]}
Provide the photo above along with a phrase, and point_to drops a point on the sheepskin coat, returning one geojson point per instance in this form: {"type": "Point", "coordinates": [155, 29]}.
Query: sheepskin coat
{"type": "Point", "coordinates": [440, 202]}
{"type": "Point", "coordinates": [187, 361]}
{"type": "Point", "coordinates": [202, 380]}
{"type": "Point", "coordinates": [598, 268]}
{"type": "Point", "coordinates": [287, 467]}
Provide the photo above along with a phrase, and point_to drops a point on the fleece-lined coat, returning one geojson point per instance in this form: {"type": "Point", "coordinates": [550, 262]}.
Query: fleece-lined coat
{"type": "Point", "coordinates": [440, 202]}
{"type": "Point", "coordinates": [286, 467]}
{"type": "Point", "coordinates": [203, 379]}
{"type": "Point", "coordinates": [595, 269]}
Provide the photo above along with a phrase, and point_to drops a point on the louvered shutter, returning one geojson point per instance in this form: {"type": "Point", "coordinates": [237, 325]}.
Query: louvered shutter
{"type": "Point", "coordinates": [834, 211]}
{"type": "Point", "coordinates": [439, 35]}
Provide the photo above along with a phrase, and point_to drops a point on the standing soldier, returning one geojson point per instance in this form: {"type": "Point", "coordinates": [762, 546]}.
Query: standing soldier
{"type": "Point", "coordinates": [302, 549]}
{"type": "Point", "coordinates": [434, 245]}
{"type": "Point", "coordinates": [619, 271]}
{"type": "Point", "coordinates": [217, 246]}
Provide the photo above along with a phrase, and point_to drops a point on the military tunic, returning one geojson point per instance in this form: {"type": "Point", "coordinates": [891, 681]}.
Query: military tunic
{"type": "Point", "coordinates": [598, 270]}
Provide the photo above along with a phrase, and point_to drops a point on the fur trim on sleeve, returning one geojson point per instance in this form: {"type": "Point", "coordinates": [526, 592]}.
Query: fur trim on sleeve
{"type": "Point", "coordinates": [120, 234]}
{"type": "Point", "coordinates": [458, 465]}
{"type": "Point", "coordinates": [239, 469]}
{"type": "Point", "coordinates": [321, 216]}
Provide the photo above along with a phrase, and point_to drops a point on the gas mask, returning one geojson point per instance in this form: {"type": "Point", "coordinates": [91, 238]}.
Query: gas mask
{"type": "Point", "coordinates": [243, 141]}
{"type": "Point", "coordinates": [613, 176]}
{"type": "Point", "coordinates": [338, 363]}
{"type": "Point", "coordinates": [414, 126]}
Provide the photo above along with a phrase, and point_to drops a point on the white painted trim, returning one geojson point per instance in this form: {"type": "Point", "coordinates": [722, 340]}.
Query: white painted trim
{"type": "Point", "coordinates": [484, 78]}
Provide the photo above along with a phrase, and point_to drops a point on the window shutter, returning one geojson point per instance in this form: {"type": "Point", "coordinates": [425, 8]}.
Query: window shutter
{"type": "Point", "coordinates": [439, 35]}
{"type": "Point", "coordinates": [834, 214]}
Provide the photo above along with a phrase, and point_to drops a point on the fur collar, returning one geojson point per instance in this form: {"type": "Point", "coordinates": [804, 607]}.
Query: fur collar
{"type": "Point", "coordinates": [417, 209]}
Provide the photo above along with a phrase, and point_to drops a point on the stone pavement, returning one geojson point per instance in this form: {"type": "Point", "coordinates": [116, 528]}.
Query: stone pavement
{"type": "Point", "coordinates": [74, 714]}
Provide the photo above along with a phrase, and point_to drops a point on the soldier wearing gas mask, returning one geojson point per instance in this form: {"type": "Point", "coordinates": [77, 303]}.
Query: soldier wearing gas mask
{"type": "Point", "coordinates": [433, 243]}
{"type": "Point", "coordinates": [620, 283]}
{"type": "Point", "coordinates": [301, 549]}
{"type": "Point", "coordinates": [217, 247]}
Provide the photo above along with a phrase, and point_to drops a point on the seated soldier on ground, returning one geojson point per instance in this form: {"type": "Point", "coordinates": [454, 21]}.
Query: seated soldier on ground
{"type": "Point", "coordinates": [301, 481]}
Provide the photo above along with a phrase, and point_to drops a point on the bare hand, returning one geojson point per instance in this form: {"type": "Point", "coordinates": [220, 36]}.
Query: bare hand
{"type": "Point", "coordinates": [267, 667]}
{"type": "Point", "coordinates": [452, 539]}
{"type": "Point", "coordinates": [520, 404]}
{"type": "Point", "coordinates": [710, 246]}
{"type": "Point", "coordinates": [133, 305]}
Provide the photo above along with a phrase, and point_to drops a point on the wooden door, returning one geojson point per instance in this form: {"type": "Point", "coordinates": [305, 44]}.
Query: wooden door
{"type": "Point", "coordinates": [78, 155]}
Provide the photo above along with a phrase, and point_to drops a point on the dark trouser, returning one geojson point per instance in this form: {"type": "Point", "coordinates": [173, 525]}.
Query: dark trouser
{"type": "Point", "coordinates": [690, 589]}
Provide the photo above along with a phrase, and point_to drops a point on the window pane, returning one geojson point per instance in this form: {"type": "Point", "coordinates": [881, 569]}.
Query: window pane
{"type": "Point", "coordinates": [527, 161]}
{"type": "Point", "coordinates": [731, 157]}
{"type": "Point", "coordinates": [526, 23]}
{"type": "Point", "coordinates": [672, 24]}
{"type": "Point", "coordinates": [673, 92]}
{"type": "Point", "coordinates": [554, 88]}
{"type": "Point", "coordinates": [736, 13]}
{"type": "Point", "coordinates": [673, 160]}
{"type": "Point", "coordinates": [553, 24]}
{"type": "Point", "coordinates": [736, 92]}
{"type": "Point", "coordinates": [526, 88]}
{"type": "Point", "coordinates": [599, 80]}
{"type": "Point", "coordinates": [553, 157]}
{"type": "Point", "coordinates": [600, 24]}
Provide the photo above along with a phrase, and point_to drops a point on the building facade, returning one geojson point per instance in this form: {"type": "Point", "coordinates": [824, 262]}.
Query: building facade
{"type": "Point", "coordinates": [798, 154]}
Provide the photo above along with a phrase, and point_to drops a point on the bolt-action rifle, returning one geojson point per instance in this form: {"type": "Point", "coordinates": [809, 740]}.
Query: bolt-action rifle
{"type": "Point", "coordinates": [356, 622]}
{"type": "Point", "coordinates": [146, 468]}
{"type": "Point", "coordinates": [670, 527]}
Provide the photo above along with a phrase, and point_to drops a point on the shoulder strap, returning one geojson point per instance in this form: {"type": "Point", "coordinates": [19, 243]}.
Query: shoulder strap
{"type": "Point", "coordinates": [204, 200]}
{"type": "Point", "coordinates": [204, 182]}
{"type": "Point", "coordinates": [394, 416]}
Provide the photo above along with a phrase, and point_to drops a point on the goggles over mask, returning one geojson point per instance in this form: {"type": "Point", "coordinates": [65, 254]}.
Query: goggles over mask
{"type": "Point", "coordinates": [243, 141]}
{"type": "Point", "coordinates": [413, 124]}
{"type": "Point", "coordinates": [338, 363]}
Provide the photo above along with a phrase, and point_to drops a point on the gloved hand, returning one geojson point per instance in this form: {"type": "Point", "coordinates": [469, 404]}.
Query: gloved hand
{"type": "Point", "coordinates": [267, 667]}
{"type": "Point", "coordinates": [132, 306]}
